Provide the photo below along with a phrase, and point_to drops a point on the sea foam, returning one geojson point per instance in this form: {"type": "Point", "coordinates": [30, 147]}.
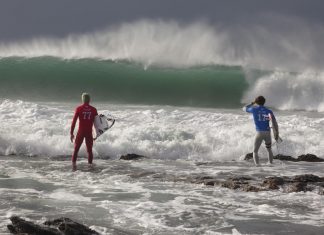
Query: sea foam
{"type": "Point", "coordinates": [159, 132]}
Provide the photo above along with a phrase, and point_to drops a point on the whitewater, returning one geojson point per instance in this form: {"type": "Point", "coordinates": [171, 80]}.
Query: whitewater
{"type": "Point", "coordinates": [176, 92]}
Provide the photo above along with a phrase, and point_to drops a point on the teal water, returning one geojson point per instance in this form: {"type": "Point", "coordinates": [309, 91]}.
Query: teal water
{"type": "Point", "coordinates": [53, 79]}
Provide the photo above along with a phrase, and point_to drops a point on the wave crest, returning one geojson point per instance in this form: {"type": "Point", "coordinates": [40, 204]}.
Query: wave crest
{"type": "Point", "coordinates": [290, 91]}
{"type": "Point", "coordinates": [171, 44]}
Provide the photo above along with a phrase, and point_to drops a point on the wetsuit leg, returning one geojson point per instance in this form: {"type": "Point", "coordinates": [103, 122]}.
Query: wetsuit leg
{"type": "Point", "coordinates": [257, 143]}
{"type": "Point", "coordinates": [89, 143]}
{"type": "Point", "coordinates": [267, 139]}
{"type": "Point", "coordinates": [77, 144]}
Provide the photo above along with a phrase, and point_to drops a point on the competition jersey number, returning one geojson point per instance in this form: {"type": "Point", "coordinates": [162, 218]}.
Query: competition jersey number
{"type": "Point", "coordinates": [264, 117]}
{"type": "Point", "coordinates": [86, 115]}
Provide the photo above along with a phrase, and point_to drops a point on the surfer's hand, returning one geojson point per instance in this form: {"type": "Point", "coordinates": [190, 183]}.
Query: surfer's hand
{"type": "Point", "coordinates": [72, 138]}
{"type": "Point", "coordinates": [276, 138]}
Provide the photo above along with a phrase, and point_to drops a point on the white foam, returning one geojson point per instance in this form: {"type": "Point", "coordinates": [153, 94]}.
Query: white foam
{"type": "Point", "coordinates": [63, 195]}
{"type": "Point", "coordinates": [290, 91]}
{"type": "Point", "coordinates": [40, 129]}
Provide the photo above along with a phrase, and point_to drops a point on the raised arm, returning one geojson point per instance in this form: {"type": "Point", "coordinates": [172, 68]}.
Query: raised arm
{"type": "Point", "coordinates": [248, 107]}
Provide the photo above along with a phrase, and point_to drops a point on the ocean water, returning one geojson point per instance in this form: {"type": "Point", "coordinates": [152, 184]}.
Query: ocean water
{"type": "Point", "coordinates": [177, 99]}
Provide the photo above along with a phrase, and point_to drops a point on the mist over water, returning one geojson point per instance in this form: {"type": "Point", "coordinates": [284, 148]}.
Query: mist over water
{"type": "Point", "coordinates": [282, 63]}
{"type": "Point", "coordinates": [172, 44]}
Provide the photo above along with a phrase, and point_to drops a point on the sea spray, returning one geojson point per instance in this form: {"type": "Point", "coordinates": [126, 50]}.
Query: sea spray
{"type": "Point", "coordinates": [172, 44]}
{"type": "Point", "coordinates": [159, 132]}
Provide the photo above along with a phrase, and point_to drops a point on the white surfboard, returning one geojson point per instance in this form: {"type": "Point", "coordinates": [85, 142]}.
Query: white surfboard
{"type": "Point", "coordinates": [102, 124]}
{"type": "Point", "coordinates": [275, 129]}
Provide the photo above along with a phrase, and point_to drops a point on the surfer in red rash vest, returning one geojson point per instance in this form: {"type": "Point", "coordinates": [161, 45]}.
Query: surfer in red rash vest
{"type": "Point", "coordinates": [86, 115]}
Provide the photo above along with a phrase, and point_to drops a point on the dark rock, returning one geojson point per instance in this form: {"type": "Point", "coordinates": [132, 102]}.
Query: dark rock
{"type": "Point", "coordinates": [231, 184]}
{"type": "Point", "coordinates": [285, 158]}
{"type": "Point", "coordinates": [21, 226]}
{"type": "Point", "coordinates": [296, 183]}
{"type": "Point", "coordinates": [210, 182]}
{"type": "Point", "coordinates": [241, 179]}
{"type": "Point", "coordinates": [307, 178]}
{"type": "Point", "coordinates": [70, 227]}
{"type": "Point", "coordinates": [251, 188]}
{"type": "Point", "coordinates": [248, 156]}
{"type": "Point", "coordinates": [131, 156]}
{"type": "Point", "coordinates": [296, 187]}
{"type": "Point", "coordinates": [273, 182]}
{"type": "Point", "coordinates": [309, 158]}
{"type": "Point", "coordinates": [305, 157]}
{"type": "Point", "coordinates": [62, 226]}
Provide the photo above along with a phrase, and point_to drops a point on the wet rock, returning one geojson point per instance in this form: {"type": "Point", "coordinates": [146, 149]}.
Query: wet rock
{"type": "Point", "coordinates": [70, 227]}
{"type": "Point", "coordinates": [241, 179]}
{"type": "Point", "coordinates": [309, 158]}
{"type": "Point", "coordinates": [290, 184]}
{"type": "Point", "coordinates": [61, 226]}
{"type": "Point", "coordinates": [21, 226]}
{"type": "Point", "coordinates": [307, 178]}
{"type": "Point", "coordinates": [296, 187]}
{"type": "Point", "coordinates": [239, 182]}
{"type": "Point", "coordinates": [273, 182]}
{"type": "Point", "coordinates": [248, 156]}
{"type": "Point", "coordinates": [231, 185]}
{"type": "Point", "coordinates": [205, 179]}
{"type": "Point", "coordinates": [285, 158]}
{"type": "Point", "coordinates": [211, 182]}
{"type": "Point", "coordinates": [305, 158]}
{"type": "Point", "coordinates": [132, 156]}
{"type": "Point", "coordinates": [251, 188]}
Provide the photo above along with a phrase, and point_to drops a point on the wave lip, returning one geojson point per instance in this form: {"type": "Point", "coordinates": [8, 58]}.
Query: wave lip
{"type": "Point", "coordinates": [147, 42]}
{"type": "Point", "coordinates": [171, 44]}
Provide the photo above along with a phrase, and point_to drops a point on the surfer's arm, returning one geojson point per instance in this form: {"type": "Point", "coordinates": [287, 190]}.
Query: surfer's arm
{"type": "Point", "coordinates": [248, 108]}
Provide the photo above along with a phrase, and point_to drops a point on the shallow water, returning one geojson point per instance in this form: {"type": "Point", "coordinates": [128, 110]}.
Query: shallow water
{"type": "Point", "coordinates": [111, 199]}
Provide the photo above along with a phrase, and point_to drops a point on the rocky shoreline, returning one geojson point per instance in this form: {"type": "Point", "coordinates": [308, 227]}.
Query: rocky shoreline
{"type": "Point", "coordinates": [285, 184]}
{"type": "Point", "coordinates": [243, 183]}
{"type": "Point", "coordinates": [60, 226]}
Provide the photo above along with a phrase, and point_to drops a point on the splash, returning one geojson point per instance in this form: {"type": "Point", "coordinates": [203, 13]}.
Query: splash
{"type": "Point", "coordinates": [290, 91]}
{"type": "Point", "coordinates": [171, 44]}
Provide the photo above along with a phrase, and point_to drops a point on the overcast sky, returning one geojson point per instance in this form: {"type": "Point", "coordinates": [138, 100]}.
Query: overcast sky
{"type": "Point", "coordinates": [23, 19]}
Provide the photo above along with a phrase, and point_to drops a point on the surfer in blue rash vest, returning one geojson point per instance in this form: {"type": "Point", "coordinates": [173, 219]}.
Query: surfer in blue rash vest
{"type": "Point", "coordinates": [262, 116]}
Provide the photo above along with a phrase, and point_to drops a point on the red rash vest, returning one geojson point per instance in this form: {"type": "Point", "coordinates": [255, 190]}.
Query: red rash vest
{"type": "Point", "coordinates": [86, 114]}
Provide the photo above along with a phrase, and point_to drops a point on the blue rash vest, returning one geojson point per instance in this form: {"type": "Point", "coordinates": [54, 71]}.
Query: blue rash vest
{"type": "Point", "coordinates": [261, 116]}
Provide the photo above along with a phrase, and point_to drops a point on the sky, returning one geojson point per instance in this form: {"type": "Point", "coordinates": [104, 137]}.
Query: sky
{"type": "Point", "coordinates": [25, 19]}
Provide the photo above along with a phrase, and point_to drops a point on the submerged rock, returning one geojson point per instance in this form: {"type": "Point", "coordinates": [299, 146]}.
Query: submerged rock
{"type": "Point", "coordinates": [61, 226]}
{"type": "Point", "coordinates": [131, 156]}
{"type": "Point", "coordinates": [21, 226]}
{"type": "Point", "coordinates": [248, 156]}
{"type": "Point", "coordinates": [309, 158]}
{"type": "Point", "coordinates": [296, 183]}
{"type": "Point", "coordinates": [273, 183]}
{"type": "Point", "coordinates": [285, 158]}
{"type": "Point", "coordinates": [305, 158]}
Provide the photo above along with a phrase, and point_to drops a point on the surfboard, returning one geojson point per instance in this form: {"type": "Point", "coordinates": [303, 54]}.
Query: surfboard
{"type": "Point", "coordinates": [275, 129]}
{"type": "Point", "coordinates": [101, 124]}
